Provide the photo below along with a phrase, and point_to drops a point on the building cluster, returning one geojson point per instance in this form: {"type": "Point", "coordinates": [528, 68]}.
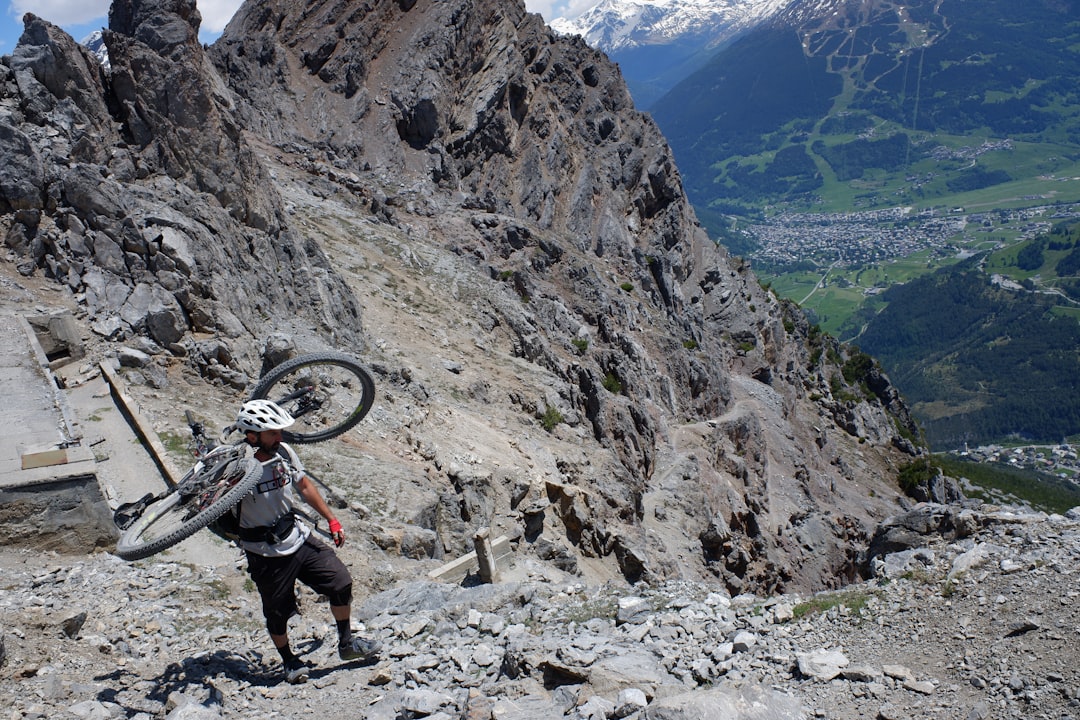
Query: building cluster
{"type": "Point", "coordinates": [854, 238]}
{"type": "Point", "coordinates": [967, 152]}
{"type": "Point", "coordinates": [1061, 460]}
{"type": "Point", "coordinates": [872, 236]}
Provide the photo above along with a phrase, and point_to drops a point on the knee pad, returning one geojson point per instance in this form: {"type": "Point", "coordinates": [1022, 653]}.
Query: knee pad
{"type": "Point", "coordinates": [340, 597]}
{"type": "Point", "coordinates": [277, 625]}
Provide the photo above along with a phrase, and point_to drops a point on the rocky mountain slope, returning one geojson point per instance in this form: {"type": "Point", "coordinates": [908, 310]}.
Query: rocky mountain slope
{"type": "Point", "coordinates": [470, 204]}
{"type": "Point", "coordinates": [978, 623]}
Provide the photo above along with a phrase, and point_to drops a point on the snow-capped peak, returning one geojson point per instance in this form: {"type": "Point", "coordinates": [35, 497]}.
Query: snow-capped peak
{"type": "Point", "coordinates": [623, 24]}
{"type": "Point", "coordinates": [95, 43]}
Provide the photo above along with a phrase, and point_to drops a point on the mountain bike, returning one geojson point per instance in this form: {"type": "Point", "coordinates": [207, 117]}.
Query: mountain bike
{"type": "Point", "coordinates": [327, 393]}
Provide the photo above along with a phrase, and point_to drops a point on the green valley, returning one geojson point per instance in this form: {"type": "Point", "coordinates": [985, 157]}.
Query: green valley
{"type": "Point", "coordinates": [908, 173]}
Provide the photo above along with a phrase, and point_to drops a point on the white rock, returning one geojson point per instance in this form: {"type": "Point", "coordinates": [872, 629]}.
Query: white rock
{"type": "Point", "coordinates": [822, 664]}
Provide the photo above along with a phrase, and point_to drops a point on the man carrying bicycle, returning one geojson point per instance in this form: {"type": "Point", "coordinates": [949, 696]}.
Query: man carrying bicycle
{"type": "Point", "coordinates": [281, 549]}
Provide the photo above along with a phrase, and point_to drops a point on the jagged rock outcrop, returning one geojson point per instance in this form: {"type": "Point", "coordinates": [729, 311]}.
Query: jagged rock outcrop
{"type": "Point", "coordinates": [709, 430]}
{"type": "Point", "coordinates": [136, 190]}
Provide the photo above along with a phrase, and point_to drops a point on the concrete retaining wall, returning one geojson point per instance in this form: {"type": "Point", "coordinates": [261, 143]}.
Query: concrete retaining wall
{"type": "Point", "coordinates": [68, 515]}
{"type": "Point", "coordinates": [49, 492]}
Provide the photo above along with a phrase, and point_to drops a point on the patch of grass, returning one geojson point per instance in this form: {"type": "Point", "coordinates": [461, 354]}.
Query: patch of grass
{"type": "Point", "coordinates": [580, 344]}
{"type": "Point", "coordinates": [96, 415]}
{"type": "Point", "coordinates": [923, 576]}
{"type": "Point", "coordinates": [909, 435]}
{"type": "Point", "coordinates": [219, 589]}
{"type": "Point", "coordinates": [176, 443]}
{"type": "Point", "coordinates": [918, 575]}
{"type": "Point", "coordinates": [915, 473]}
{"type": "Point", "coordinates": [627, 287]}
{"type": "Point", "coordinates": [611, 384]}
{"type": "Point", "coordinates": [551, 418]}
{"type": "Point", "coordinates": [690, 344]}
{"type": "Point", "coordinates": [854, 600]}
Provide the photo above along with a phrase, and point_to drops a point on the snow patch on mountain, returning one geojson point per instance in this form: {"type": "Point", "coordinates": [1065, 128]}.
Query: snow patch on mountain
{"type": "Point", "coordinates": [95, 43]}
{"type": "Point", "coordinates": [624, 24]}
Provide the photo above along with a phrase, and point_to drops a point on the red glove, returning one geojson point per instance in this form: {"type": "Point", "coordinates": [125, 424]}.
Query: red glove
{"type": "Point", "coordinates": [336, 533]}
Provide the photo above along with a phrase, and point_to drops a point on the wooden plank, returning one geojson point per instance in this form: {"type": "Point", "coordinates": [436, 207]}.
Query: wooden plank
{"type": "Point", "coordinates": [44, 457]}
{"type": "Point", "coordinates": [141, 425]}
{"type": "Point", "coordinates": [457, 570]}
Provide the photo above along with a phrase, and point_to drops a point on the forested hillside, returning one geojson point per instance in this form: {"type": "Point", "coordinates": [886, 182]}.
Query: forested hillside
{"type": "Point", "coordinates": [982, 358]}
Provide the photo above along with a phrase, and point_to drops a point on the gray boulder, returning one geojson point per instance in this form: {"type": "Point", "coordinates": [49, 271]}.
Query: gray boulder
{"type": "Point", "coordinates": [749, 703]}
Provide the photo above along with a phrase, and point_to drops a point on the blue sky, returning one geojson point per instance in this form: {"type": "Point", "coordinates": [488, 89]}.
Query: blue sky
{"type": "Point", "coordinates": [81, 17]}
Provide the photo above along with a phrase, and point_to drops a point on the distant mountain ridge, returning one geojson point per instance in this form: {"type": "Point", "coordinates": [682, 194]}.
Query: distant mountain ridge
{"type": "Point", "coordinates": [95, 43]}
{"type": "Point", "coordinates": [657, 43]}
{"type": "Point", "coordinates": [615, 25]}
{"type": "Point", "coordinates": [827, 93]}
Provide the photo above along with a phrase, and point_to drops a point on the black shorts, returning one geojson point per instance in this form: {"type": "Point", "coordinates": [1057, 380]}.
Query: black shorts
{"type": "Point", "coordinates": [313, 564]}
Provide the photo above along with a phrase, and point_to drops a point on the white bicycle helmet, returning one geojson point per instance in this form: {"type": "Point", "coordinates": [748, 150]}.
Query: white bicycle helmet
{"type": "Point", "coordinates": [259, 415]}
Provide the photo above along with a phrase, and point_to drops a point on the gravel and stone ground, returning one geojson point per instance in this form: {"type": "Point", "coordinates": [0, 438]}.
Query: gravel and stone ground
{"type": "Point", "coordinates": [983, 627]}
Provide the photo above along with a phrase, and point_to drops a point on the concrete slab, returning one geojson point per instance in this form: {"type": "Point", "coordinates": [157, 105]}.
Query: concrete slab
{"type": "Point", "coordinates": [49, 494]}
{"type": "Point", "coordinates": [459, 569]}
{"type": "Point", "coordinates": [40, 431]}
{"type": "Point", "coordinates": [129, 465]}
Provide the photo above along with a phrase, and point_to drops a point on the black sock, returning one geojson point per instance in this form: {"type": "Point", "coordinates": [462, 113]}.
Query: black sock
{"type": "Point", "coordinates": [344, 631]}
{"type": "Point", "coordinates": [286, 653]}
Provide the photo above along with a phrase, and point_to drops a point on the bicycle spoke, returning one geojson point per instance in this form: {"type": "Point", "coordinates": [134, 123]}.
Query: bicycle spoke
{"type": "Point", "coordinates": [327, 393]}
{"type": "Point", "coordinates": [209, 489]}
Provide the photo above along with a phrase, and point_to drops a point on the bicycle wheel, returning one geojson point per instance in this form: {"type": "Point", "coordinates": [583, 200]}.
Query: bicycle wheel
{"type": "Point", "coordinates": [217, 482]}
{"type": "Point", "coordinates": [327, 393]}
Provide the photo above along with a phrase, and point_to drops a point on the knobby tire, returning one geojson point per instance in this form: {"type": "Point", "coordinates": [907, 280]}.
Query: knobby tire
{"type": "Point", "coordinates": [192, 512]}
{"type": "Point", "coordinates": [343, 393]}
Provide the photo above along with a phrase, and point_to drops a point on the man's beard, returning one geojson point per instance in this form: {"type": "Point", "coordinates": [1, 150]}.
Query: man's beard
{"type": "Point", "coordinates": [269, 448]}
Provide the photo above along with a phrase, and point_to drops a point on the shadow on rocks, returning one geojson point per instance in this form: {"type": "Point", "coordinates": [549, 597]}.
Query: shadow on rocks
{"type": "Point", "coordinates": [193, 675]}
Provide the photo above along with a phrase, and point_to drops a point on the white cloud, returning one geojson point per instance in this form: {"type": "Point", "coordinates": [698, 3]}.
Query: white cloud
{"type": "Point", "coordinates": [215, 13]}
{"type": "Point", "coordinates": [552, 9]}
{"type": "Point", "coordinates": [544, 7]}
{"type": "Point", "coordinates": [62, 12]}
{"type": "Point", "coordinates": [576, 7]}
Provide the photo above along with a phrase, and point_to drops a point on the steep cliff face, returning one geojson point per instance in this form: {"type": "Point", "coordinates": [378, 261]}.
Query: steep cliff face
{"type": "Point", "coordinates": [522, 151]}
{"type": "Point", "coordinates": [697, 424]}
{"type": "Point", "coordinates": [137, 191]}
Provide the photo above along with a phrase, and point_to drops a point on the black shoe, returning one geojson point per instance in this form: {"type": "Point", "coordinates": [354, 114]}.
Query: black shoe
{"type": "Point", "coordinates": [296, 671]}
{"type": "Point", "coordinates": [358, 649]}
